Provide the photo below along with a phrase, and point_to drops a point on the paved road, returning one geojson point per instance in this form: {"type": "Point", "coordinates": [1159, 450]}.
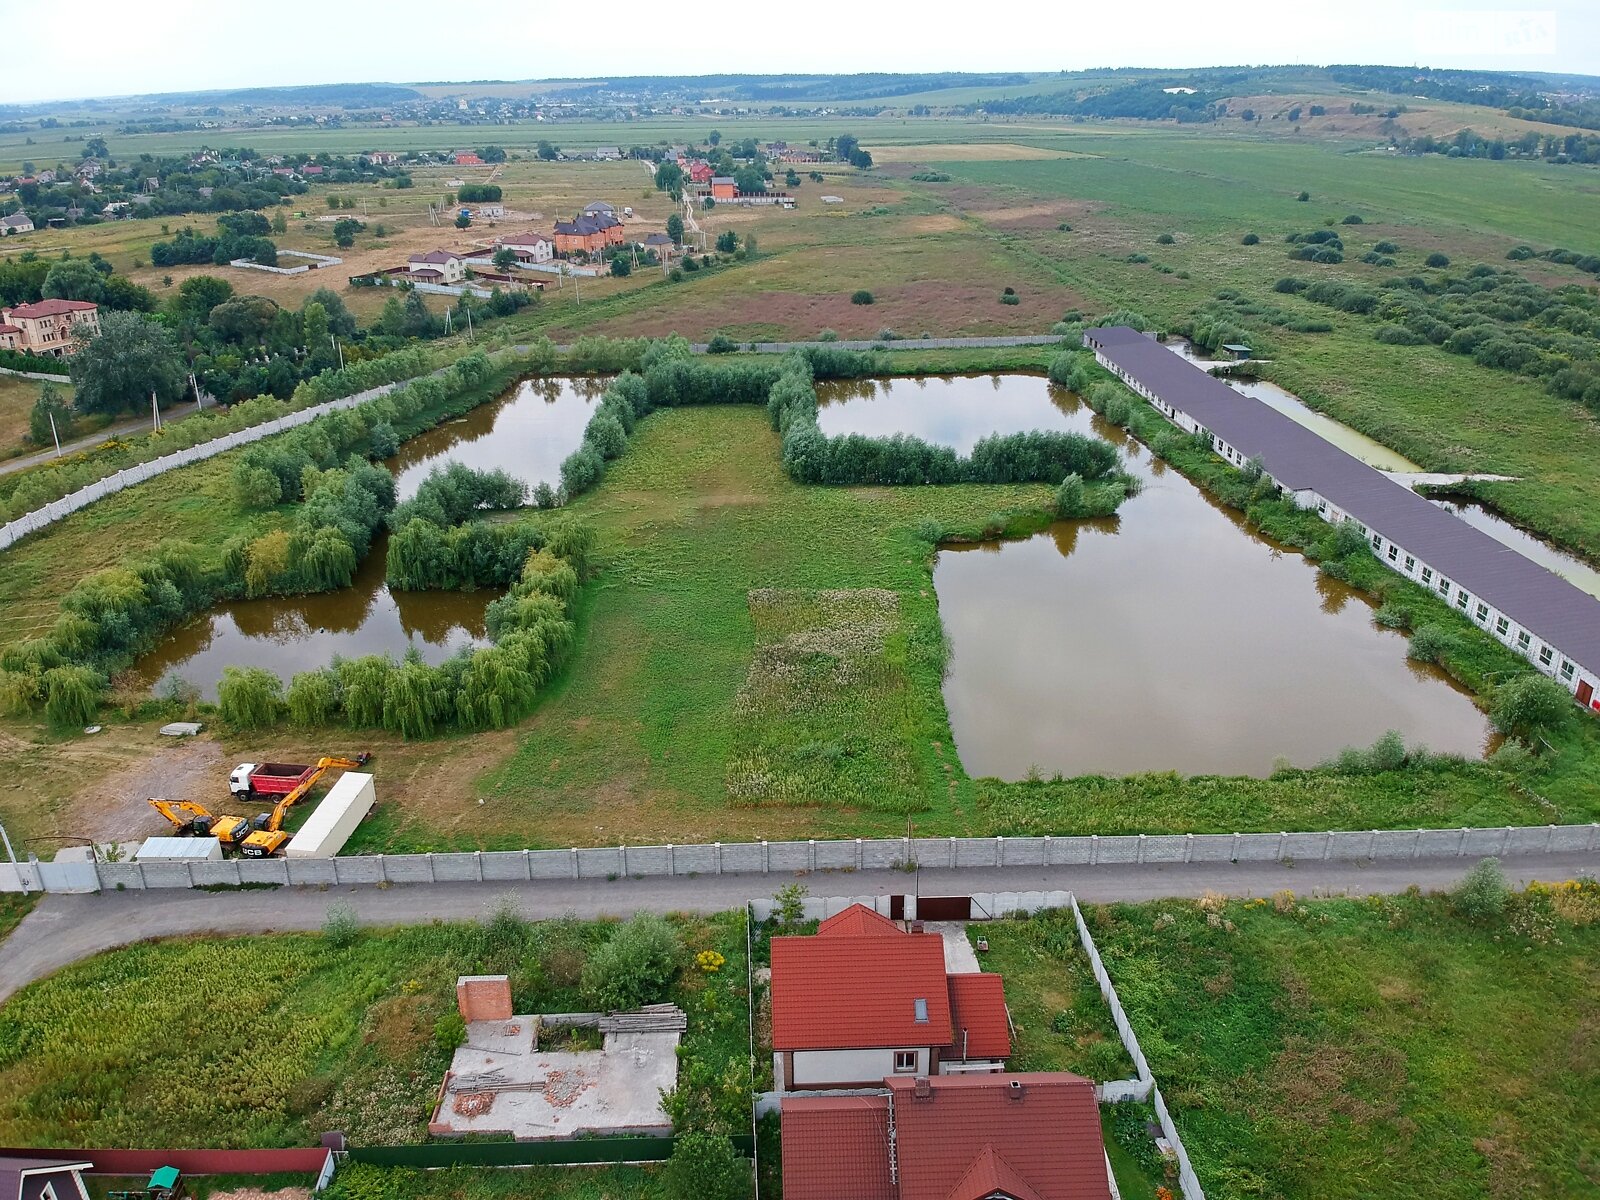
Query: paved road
{"type": "Point", "coordinates": [134, 425]}
{"type": "Point", "coordinates": [66, 928]}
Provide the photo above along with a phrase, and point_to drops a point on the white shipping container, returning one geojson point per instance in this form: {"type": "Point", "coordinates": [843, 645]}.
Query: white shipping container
{"type": "Point", "coordinates": [179, 849]}
{"type": "Point", "coordinates": [335, 819]}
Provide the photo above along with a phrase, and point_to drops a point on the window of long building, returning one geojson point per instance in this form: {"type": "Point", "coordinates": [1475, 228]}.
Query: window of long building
{"type": "Point", "coordinates": [1502, 626]}
{"type": "Point", "coordinates": [1483, 612]}
{"type": "Point", "coordinates": [1524, 641]}
{"type": "Point", "coordinates": [1546, 655]}
{"type": "Point", "coordinates": [1566, 670]}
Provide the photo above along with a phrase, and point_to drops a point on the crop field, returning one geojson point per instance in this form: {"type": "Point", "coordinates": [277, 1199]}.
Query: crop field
{"type": "Point", "coordinates": [278, 1038]}
{"type": "Point", "coordinates": [1392, 1046]}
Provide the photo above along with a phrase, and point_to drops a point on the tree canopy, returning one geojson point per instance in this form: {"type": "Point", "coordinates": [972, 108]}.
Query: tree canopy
{"type": "Point", "coordinates": [119, 368]}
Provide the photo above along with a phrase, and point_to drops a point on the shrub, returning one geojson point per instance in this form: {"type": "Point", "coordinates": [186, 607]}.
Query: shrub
{"type": "Point", "coordinates": [314, 697]}
{"type": "Point", "coordinates": [340, 926]}
{"type": "Point", "coordinates": [861, 296]}
{"type": "Point", "coordinates": [1387, 248]}
{"type": "Point", "coordinates": [582, 469]}
{"type": "Point", "coordinates": [1438, 260]}
{"type": "Point", "coordinates": [827, 335]}
{"type": "Point", "coordinates": [1398, 335]}
{"type": "Point", "coordinates": [1430, 644]}
{"type": "Point", "coordinates": [250, 697]}
{"type": "Point", "coordinates": [385, 442]}
{"type": "Point", "coordinates": [1303, 197]}
{"type": "Point", "coordinates": [1520, 253]}
{"type": "Point", "coordinates": [1352, 219]}
{"type": "Point", "coordinates": [1010, 298]}
{"type": "Point", "coordinates": [705, 1166]}
{"type": "Point", "coordinates": [721, 343]}
{"type": "Point", "coordinates": [606, 434]}
{"type": "Point", "coordinates": [1166, 239]}
{"type": "Point", "coordinates": [71, 694]}
{"type": "Point", "coordinates": [1250, 239]}
{"type": "Point", "coordinates": [1529, 706]}
{"type": "Point", "coordinates": [1483, 894]}
{"type": "Point", "coordinates": [1290, 285]}
{"type": "Point", "coordinates": [635, 966]}
{"type": "Point", "coordinates": [449, 1031]}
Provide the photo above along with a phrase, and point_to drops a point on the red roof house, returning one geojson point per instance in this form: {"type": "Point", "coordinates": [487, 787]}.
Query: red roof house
{"type": "Point", "coordinates": [954, 1137]}
{"type": "Point", "coordinates": [864, 999]}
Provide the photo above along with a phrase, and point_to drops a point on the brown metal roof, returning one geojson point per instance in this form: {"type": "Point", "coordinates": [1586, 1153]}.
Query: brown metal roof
{"type": "Point", "coordinates": [1544, 603]}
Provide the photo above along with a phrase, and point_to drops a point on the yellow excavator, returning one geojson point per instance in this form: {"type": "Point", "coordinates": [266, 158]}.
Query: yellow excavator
{"type": "Point", "coordinates": [262, 836]}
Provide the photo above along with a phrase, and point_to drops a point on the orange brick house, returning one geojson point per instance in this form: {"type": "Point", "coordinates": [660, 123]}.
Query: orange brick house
{"type": "Point", "coordinates": [48, 327]}
{"type": "Point", "coordinates": [588, 235]}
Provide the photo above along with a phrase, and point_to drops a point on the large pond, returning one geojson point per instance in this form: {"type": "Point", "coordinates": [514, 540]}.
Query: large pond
{"type": "Point", "coordinates": [301, 633]}
{"type": "Point", "coordinates": [1167, 638]}
{"type": "Point", "coordinates": [949, 410]}
{"type": "Point", "coordinates": [527, 433]}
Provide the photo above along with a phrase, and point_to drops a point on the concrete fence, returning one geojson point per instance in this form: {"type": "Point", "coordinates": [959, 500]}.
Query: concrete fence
{"type": "Point", "coordinates": [32, 522]}
{"type": "Point", "coordinates": [792, 858]}
{"type": "Point", "coordinates": [40, 375]}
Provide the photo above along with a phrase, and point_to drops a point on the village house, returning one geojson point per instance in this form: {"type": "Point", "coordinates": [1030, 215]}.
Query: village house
{"type": "Point", "coordinates": [599, 208]}
{"type": "Point", "coordinates": [528, 247]}
{"type": "Point", "coordinates": [88, 168]}
{"type": "Point", "coordinates": [984, 1137]}
{"type": "Point", "coordinates": [588, 235]}
{"type": "Point", "coordinates": [311, 170]}
{"type": "Point", "coordinates": [17, 222]}
{"type": "Point", "coordinates": [798, 155]}
{"type": "Point", "coordinates": [437, 266]}
{"type": "Point", "coordinates": [1531, 610]}
{"type": "Point", "coordinates": [665, 248]}
{"type": "Point", "coordinates": [383, 158]}
{"type": "Point", "coordinates": [48, 327]}
{"type": "Point", "coordinates": [698, 170]}
{"type": "Point", "coordinates": [468, 158]}
{"type": "Point", "coordinates": [865, 999]}
{"type": "Point", "coordinates": [723, 187]}
{"type": "Point", "coordinates": [43, 1178]}
{"type": "Point", "coordinates": [607, 153]}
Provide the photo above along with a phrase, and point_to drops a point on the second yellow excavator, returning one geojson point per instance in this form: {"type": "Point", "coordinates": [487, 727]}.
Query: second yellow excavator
{"type": "Point", "coordinates": [197, 821]}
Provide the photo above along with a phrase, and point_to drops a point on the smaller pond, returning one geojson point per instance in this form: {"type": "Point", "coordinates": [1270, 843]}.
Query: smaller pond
{"type": "Point", "coordinates": [1370, 451]}
{"type": "Point", "coordinates": [302, 633]}
{"type": "Point", "coordinates": [947, 410]}
{"type": "Point", "coordinates": [1571, 568]}
{"type": "Point", "coordinates": [527, 433]}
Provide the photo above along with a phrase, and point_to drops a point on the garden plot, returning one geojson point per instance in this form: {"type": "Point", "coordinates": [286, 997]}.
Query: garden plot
{"type": "Point", "coordinates": [501, 1082]}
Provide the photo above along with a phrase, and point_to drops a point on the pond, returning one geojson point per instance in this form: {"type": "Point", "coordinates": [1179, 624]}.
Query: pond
{"type": "Point", "coordinates": [527, 433]}
{"type": "Point", "coordinates": [287, 635]}
{"type": "Point", "coordinates": [948, 410]}
{"type": "Point", "coordinates": [1167, 638]}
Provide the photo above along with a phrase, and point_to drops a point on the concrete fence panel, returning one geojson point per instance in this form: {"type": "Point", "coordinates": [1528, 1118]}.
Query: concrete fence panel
{"type": "Point", "coordinates": [455, 868]}
{"type": "Point", "coordinates": [310, 872]}
{"type": "Point", "coordinates": [358, 869]}
{"type": "Point", "coordinates": [551, 864]}
{"type": "Point", "coordinates": [264, 870]}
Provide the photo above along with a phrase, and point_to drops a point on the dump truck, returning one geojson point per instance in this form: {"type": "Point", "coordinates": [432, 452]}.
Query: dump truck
{"type": "Point", "coordinates": [268, 836]}
{"type": "Point", "coordinates": [268, 779]}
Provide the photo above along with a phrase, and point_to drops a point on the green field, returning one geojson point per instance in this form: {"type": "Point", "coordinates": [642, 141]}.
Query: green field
{"type": "Point", "coordinates": [1392, 1047]}
{"type": "Point", "coordinates": [279, 1038]}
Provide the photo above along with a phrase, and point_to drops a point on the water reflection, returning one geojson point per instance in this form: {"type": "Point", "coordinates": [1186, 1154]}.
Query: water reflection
{"type": "Point", "coordinates": [1170, 638]}
{"type": "Point", "coordinates": [288, 635]}
{"type": "Point", "coordinates": [948, 410]}
{"type": "Point", "coordinates": [527, 433]}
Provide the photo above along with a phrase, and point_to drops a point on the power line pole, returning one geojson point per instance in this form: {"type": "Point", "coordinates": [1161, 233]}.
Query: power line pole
{"type": "Point", "coordinates": [155, 414]}
{"type": "Point", "coordinates": [56, 437]}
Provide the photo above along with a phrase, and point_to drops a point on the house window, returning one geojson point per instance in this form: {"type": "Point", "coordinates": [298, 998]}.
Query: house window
{"type": "Point", "coordinates": [1322, 507]}
{"type": "Point", "coordinates": [1461, 600]}
{"type": "Point", "coordinates": [1427, 574]}
{"type": "Point", "coordinates": [920, 1009]}
{"type": "Point", "coordinates": [1483, 612]}
{"type": "Point", "coordinates": [905, 1061]}
{"type": "Point", "coordinates": [1566, 670]}
{"type": "Point", "coordinates": [1524, 641]}
{"type": "Point", "coordinates": [1394, 553]}
{"type": "Point", "coordinates": [1377, 541]}
{"type": "Point", "coordinates": [1411, 564]}
{"type": "Point", "coordinates": [1502, 626]}
{"type": "Point", "coordinates": [1546, 655]}
{"type": "Point", "coordinates": [1444, 586]}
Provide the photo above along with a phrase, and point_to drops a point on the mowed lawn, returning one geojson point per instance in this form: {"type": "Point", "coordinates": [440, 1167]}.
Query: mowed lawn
{"type": "Point", "coordinates": [1347, 1049]}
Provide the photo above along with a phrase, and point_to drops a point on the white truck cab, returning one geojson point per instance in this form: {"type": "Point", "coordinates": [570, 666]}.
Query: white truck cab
{"type": "Point", "coordinates": [239, 781]}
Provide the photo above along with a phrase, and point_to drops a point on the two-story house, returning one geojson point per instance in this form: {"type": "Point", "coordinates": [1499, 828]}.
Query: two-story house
{"type": "Point", "coordinates": [437, 266]}
{"type": "Point", "coordinates": [48, 327]}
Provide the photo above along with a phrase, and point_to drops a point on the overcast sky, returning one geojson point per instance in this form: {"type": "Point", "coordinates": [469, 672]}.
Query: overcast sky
{"type": "Point", "coordinates": [114, 47]}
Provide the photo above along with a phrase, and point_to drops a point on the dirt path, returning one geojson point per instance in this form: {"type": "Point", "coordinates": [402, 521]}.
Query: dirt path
{"type": "Point", "coordinates": [114, 809]}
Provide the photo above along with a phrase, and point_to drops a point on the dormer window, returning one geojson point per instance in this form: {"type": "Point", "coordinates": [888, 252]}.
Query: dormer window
{"type": "Point", "coordinates": [920, 1007]}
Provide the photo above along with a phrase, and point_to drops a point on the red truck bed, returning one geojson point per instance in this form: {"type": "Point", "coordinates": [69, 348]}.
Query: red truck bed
{"type": "Point", "coordinates": [277, 779]}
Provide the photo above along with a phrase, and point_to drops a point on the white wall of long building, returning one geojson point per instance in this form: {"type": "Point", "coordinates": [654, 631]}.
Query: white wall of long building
{"type": "Point", "coordinates": [1548, 658]}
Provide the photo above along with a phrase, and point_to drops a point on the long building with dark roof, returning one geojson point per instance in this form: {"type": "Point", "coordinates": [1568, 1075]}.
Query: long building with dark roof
{"type": "Point", "coordinates": [1535, 612]}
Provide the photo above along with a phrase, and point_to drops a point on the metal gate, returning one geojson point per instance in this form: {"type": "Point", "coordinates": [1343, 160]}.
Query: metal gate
{"type": "Point", "coordinates": [944, 908]}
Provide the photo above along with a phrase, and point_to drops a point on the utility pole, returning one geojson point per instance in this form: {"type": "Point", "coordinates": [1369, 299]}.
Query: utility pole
{"type": "Point", "coordinates": [56, 437]}
{"type": "Point", "coordinates": [155, 414]}
{"type": "Point", "coordinates": [469, 320]}
{"type": "Point", "coordinates": [12, 855]}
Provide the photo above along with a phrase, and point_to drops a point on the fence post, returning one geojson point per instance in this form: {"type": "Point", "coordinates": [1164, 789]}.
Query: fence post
{"type": "Point", "coordinates": [766, 857]}
{"type": "Point", "coordinates": [999, 851]}
{"type": "Point", "coordinates": [1327, 844]}
{"type": "Point", "coordinates": [1505, 838]}
{"type": "Point", "coordinates": [1416, 844]}
{"type": "Point", "coordinates": [1094, 849]}
{"type": "Point", "coordinates": [1233, 855]}
{"type": "Point", "coordinates": [1550, 839]}
{"type": "Point", "coordinates": [1047, 849]}
{"type": "Point", "coordinates": [859, 861]}
{"type": "Point", "coordinates": [718, 846]}
{"type": "Point", "coordinates": [188, 869]}
{"type": "Point", "coordinates": [432, 878]}
{"type": "Point", "coordinates": [952, 848]}
{"type": "Point", "coordinates": [1188, 847]}
{"type": "Point", "coordinates": [477, 863]}
{"type": "Point", "coordinates": [1141, 848]}
{"type": "Point", "coordinates": [527, 864]}
{"type": "Point", "coordinates": [1461, 843]}
{"type": "Point", "coordinates": [143, 886]}
{"type": "Point", "coordinates": [1594, 828]}
{"type": "Point", "coordinates": [672, 859]}
{"type": "Point", "coordinates": [383, 868]}
{"type": "Point", "coordinates": [622, 856]}
{"type": "Point", "coordinates": [1283, 843]}
{"type": "Point", "coordinates": [574, 862]}
{"type": "Point", "coordinates": [1372, 844]}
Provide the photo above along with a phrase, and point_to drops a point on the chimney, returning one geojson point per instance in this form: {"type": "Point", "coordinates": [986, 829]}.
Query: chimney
{"type": "Point", "coordinates": [1014, 1089]}
{"type": "Point", "coordinates": [924, 1089]}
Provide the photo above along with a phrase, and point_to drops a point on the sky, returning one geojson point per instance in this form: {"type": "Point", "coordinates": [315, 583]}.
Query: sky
{"type": "Point", "coordinates": [111, 47]}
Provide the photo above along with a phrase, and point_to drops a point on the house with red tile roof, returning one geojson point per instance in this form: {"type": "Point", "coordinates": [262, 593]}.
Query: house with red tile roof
{"type": "Point", "coordinates": [864, 999]}
{"type": "Point", "coordinates": [951, 1137]}
{"type": "Point", "coordinates": [437, 266]}
{"type": "Point", "coordinates": [48, 326]}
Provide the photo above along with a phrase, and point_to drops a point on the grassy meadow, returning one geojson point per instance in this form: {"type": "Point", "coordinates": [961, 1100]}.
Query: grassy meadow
{"type": "Point", "coordinates": [293, 1034]}
{"type": "Point", "coordinates": [1389, 1046]}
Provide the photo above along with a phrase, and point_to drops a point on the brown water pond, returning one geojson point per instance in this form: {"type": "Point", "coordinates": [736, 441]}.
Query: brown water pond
{"type": "Point", "coordinates": [1167, 638]}
{"type": "Point", "coordinates": [949, 410]}
{"type": "Point", "coordinates": [526, 433]}
{"type": "Point", "coordinates": [301, 633]}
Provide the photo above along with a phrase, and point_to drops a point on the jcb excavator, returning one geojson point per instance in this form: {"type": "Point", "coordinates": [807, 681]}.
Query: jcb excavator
{"type": "Point", "coordinates": [263, 835]}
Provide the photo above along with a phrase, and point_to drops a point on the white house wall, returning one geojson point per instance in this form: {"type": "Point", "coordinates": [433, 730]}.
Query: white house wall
{"type": "Point", "coordinates": [824, 1068]}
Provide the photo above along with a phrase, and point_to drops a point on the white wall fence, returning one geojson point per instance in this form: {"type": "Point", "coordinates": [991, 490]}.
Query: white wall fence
{"type": "Point", "coordinates": [40, 375]}
{"type": "Point", "coordinates": [36, 520]}
{"type": "Point", "coordinates": [859, 854]}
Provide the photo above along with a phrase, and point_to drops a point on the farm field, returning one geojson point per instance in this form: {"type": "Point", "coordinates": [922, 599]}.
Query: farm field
{"type": "Point", "coordinates": [17, 397]}
{"type": "Point", "coordinates": [347, 1029]}
{"type": "Point", "coordinates": [1345, 1048]}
